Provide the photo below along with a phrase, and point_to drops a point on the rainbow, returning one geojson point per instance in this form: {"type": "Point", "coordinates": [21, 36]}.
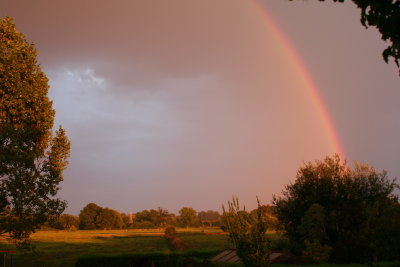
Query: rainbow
{"type": "Point", "coordinates": [299, 66]}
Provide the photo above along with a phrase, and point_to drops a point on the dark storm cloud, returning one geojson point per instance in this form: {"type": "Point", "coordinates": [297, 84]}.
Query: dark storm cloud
{"type": "Point", "coordinates": [167, 102]}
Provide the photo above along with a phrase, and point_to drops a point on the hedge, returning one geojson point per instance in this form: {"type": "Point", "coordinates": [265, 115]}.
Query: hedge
{"type": "Point", "coordinates": [169, 259]}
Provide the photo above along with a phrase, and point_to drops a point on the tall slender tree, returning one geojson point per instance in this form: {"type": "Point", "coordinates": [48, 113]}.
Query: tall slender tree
{"type": "Point", "coordinates": [32, 159]}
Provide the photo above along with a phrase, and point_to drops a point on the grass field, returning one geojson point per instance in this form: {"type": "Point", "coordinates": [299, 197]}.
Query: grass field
{"type": "Point", "coordinates": [61, 248]}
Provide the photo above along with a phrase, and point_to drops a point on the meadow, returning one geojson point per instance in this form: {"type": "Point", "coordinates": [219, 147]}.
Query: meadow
{"type": "Point", "coordinates": [63, 248]}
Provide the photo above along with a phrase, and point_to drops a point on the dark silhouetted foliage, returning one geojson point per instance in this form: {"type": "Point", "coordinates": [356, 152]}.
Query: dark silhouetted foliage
{"type": "Point", "coordinates": [353, 211]}
{"type": "Point", "coordinates": [171, 259]}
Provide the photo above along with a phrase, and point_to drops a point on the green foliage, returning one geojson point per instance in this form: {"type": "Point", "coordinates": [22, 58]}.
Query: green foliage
{"type": "Point", "coordinates": [385, 16]}
{"type": "Point", "coordinates": [66, 222]}
{"type": "Point", "coordinates": [247, 234]}
{"type": "Point", "coordinates": [31, 158]}
{"type": "Point", "coordinates": [348, 208]}
{"type": "Point", "coordinates": [313, 224]}
{"type": "Point", "coordinates": [314, 252]}
{"type": "Point", "coordinates": [188, 217]}
{"type": "Point", "coordinates": [268, 216]}
{"type": "Point", "coordinates": [89, 217]}
{"type": "Point", "coordinates": [153, 218]}
{"type": "Point", "coordinates": [109, 219]}
{"type": "Point", "coordinates": [93, 216]}
{"type": "Point", "coordinates": [173, 259]}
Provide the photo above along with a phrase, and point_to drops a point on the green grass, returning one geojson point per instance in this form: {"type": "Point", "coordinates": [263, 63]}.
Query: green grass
{"type": "Point", "coordinates": [206, 241]}
{"type": "Point", "coordinates": [62, 248]}
{"type": "Point", "coordinates": [59, 248]}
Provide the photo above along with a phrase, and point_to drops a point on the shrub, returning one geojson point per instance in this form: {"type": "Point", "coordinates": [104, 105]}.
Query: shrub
{"type": "Point", "coordinates": [248, 234]}
{"type": "Point", "coordinates": [354, 211]}
{"type": "Point", "coordinates": [173, 259]}
{"type": "Point", "coordinates": [169, 231]}
{"type": "Point", "coordinates": [314, 252]}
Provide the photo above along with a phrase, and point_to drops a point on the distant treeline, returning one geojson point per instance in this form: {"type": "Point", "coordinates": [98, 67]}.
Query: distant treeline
{"type": "Point", "coordinates": [93, 216]}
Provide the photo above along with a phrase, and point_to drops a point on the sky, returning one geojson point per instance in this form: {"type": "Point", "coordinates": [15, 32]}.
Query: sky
{"type": "Point", "coordinates": [188, 103]}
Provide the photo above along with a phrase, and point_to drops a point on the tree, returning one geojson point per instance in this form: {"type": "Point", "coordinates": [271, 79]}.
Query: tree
{"type": "Point", "coordinates": [89, 217]}
{"type": "Point", "coordinates": [32, 159]}
{"type": "Point", "coordinates": [247, 233]}
{"type": "Point", "coordinates": [153, 218]}
{"type": "Point", "coordinates": [66, 222]}
{"type": "Point", "coordinates": [313, 230]}
{"type": "Point", "coordinates": [384, 15]}
{"type": "Point", "coordinates": [188, 217]}
{"type": "Point", "coordinates": [345, 207]}
{"type": "Point", "coordinates": [109, 219]}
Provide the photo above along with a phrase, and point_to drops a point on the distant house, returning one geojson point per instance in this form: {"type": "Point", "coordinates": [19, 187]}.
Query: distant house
{"type": "Point", "coordinates": [230, 256]}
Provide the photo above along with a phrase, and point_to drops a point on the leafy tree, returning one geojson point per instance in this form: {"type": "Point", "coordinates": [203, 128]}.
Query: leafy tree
{"type": "Point", "coordinates": [66, 222]}
{"type": "Point", "coordinates": [385, 16]}
{"type": "Point", "coordinates": [69, 222]}
{"type": "Point", "coordinates": [161, 217]}
{"type": "Point", "coordinates": [247, 233]}
{"type": "Point", "coordinates": [153, 218]}
{"type": "Point", "coordinates": [89, 217]}
{"type": "Point", "coordinates": [347, 207]}
{"type": "Point", "coordinates": [188, 217]}
{"type": "Point", "coordinates": [109, 219]}
{"type": "Point", "coordinates": [32, 159]}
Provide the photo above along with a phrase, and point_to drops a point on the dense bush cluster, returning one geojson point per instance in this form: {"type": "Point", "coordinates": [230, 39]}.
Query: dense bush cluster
{"type": "Point", "coordinates": [351, 215]}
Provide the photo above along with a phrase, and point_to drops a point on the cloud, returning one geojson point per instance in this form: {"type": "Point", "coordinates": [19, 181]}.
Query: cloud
{"type": "Point", "coordinates": [167, 102]}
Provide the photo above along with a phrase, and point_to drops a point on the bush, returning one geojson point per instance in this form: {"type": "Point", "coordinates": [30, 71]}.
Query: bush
{"type": "Point", "coordinates": [169, 231]}
{"type": "Point", "coordinates": [173, 259]}
{"type": "Point", "coordinates": [314, 252]}
{"type": "Point", "coordinates": [248, 234]}
{"type": "Point", "coordinates": [354, 211]}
